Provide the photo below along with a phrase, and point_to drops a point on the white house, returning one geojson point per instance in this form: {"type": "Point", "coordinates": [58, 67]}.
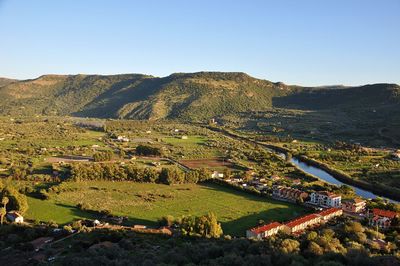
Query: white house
{"type": "Point", "coordinates": [326, 199]}
{"type": "Point", "coordinates": [15, 217]}
{"type": "Point", "coordinates": [122, 139]}
{"type": "Point", "coordinates": [396, 155]}
{"type": "Point", "coordinates": [216, 174]}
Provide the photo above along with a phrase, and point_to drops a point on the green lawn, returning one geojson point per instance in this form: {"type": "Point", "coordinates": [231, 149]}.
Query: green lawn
{"type": "Point", "coordinates": [145, 203]}
{"type": "Point", "coordinates": [47, 210]}
{"type": "Point", "coordinates": [190, 141]}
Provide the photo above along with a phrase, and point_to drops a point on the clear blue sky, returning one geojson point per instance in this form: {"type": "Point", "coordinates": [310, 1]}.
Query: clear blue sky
{"type": "Point", "coordinates": [298, 42]}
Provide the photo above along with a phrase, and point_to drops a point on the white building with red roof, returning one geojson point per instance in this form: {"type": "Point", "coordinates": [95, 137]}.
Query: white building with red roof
{"type": "Point", "coordinates": [264, 231]}
{"type": "Point", "coordinates": [301, 223]}
{"type": "Point", "coordinates": [354, 205]}
{"type": "Point", "coordinates": [326, 199]}
{"type": "Point", "coordinates": [330, 213]}
{"type": "Point", "coordinates": [381, 218]}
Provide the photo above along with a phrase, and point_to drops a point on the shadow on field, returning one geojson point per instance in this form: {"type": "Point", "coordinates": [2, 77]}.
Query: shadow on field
{"type": "Point", "coordinates": [276, 211]}
{"type": "Point", "coordinates": [92, 214]}
{"type": "Point", "coordinates": [78, 212]}
{"type": "Point", "coordinates": [238, 192]}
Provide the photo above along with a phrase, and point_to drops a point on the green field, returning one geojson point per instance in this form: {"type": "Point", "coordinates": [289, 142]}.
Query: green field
{"type": "Point", "coordinates": [192, 147]}
{"type": "Point", "coordinates": [47, 210]}
{"type": "Point", "coordinates": [189, 142]}
{"type": "Point", "coordinates": [145, 203]}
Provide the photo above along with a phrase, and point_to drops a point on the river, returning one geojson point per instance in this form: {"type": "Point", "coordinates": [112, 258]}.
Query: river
{"type": "Point", "coordinates": [322, 174]}
{"type": "Point", "coordinates": [332, 180]}
{"type": "Point", "coordinates": [315, 171]}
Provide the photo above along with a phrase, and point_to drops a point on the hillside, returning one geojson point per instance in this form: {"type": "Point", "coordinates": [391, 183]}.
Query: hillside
{"type": "Point", "coordinates": [187, 96]}
{"type": "Point", "coordinates": [376, 95]}
{"type": "Point", "coordinates": [194, 96]}
{"type": "Point", "coordinates": [6, 81]}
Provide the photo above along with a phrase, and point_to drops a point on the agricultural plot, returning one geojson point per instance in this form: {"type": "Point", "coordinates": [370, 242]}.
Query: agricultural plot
{"type": "Point", "coordinates": [190, 141]}
{"type": "Point", "coordinates": [145, 203]}
{"type": "Point", "coordinates": [213, 164]}
{"type": "Point", "coordinates": [193, 147]}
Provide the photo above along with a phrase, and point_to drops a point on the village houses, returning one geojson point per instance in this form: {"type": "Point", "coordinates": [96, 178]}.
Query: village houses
{"type": "Point", "coordinates": [264, 230]}
{"type": "Point", "coordinates": [122, 139]}
{"type": "Point", "coordinates": [288, 193]}
{"type": "Point", "coordinates": [354, 205]}
{"type": "Point", "coordinates": [396, 155]}
{"type": "Point", "coordinates": [217, 174]}
{"type": "Point", "coordinates": [330, 213]}
{"type": "Point", "coordinates": [326, 199]}
{"type": "Point", "coordinates": [381, 218]}
{"type": "Point", "coordinates": [301, 223]}
{"type": "Point", "coordinates": [294, 226]}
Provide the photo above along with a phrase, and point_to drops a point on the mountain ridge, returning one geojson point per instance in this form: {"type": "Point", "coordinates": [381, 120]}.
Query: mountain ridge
{"type": "Point", "coordinates": [188, 96]}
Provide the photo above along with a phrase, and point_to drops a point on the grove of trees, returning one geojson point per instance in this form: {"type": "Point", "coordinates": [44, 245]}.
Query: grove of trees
{"type": "Point", "coordinates": [131, 172]}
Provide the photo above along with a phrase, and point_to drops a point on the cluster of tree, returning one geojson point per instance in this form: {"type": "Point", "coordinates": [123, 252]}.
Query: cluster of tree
{"type": "Point", "coordinates": [272, 138]}
{"type": "Point", "coordinates": [19, 173]}
{"type": "Point", "coordinates": [145, 150]}
{"type": "Point", "coordinates": [204, 226]}
{"type": "Point", "coordinates": [103, 156]}
{"type": "Point", "coordinates": [3, 210]}
{"type": "Point", "coordinates": [12, 199]}
{"type": "Point", "coordinates": [383, 204]}
{"type": "Point", "coordinates": [128, 247]}
{"type": "Point", "coordinates": [131, 172]}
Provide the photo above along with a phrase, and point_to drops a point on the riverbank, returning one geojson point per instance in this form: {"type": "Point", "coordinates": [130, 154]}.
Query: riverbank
{"type": "Point", "coordinates": [347, 179]}
{"type": "Point", "coordinates": [377, 189]}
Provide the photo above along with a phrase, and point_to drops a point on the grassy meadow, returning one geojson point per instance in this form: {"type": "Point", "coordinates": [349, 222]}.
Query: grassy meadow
{"type": "Point", "coordinates": [145, 203]}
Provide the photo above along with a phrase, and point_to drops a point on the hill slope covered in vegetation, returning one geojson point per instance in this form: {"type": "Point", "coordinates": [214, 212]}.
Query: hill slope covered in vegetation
{"type": "Point", "coordinates": [188, 96]}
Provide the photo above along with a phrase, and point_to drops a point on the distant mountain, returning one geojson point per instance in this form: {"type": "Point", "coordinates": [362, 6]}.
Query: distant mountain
{"type": "Point", "coordinates": [188, 96]}
{"type": "Point", "coordinates": [368, 96]}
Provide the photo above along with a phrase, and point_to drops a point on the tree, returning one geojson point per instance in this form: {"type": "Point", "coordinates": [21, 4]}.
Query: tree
{"type": "Point", "coordinates": [206, 225]}
{"type": "Point", "coordinates": [122, 154]}
{"type": "Point", "coordinates": [227, 173]}
{"type": "Point", "coordinates": [17, 201]}
{"type": "Point", "coordinates": [167, 220]}
{"type": "Point", "coordinates": [5, 201]}
{"type": "Point", "coordinates": [3, 213]}
{"type": "Point", "coordinates": [171, 176]}
{"type": "Point", "coordinates": [192, 177]}
{"type": "Point", "coordinates": [147, 151]}
{"type": "Point", "coordinates": [314, 249]}
{"type": "Point", "coordinates": [312, 235]}
{"type": "Point", "coordinates": [204, 174]}
{"type": "Point", "coordinates": [289, 246]}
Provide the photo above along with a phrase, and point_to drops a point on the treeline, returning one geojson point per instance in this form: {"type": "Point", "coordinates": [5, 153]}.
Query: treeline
{"type": "Point", "coordinates": [131, 172]}
{"type": "Point", "coordinates": [103, 156]}
{"type": "Point", "coordinates": [145, 150]}
{"type": "Point", "coordinates": [316, 248]}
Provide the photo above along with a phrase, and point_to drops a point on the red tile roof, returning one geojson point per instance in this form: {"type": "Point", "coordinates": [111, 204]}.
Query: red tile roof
{"type": "Point", "coordinates": [329, 194]}
{"type": "Point", "coordinates": [266, 227]}
{"type": "Point", "coordinates": [328, 211]}
{"type": "Point", "coordinates": [301, 220]}
{"type": "Point", "coordinates": [384, 213]}
{"type": "Point", "coordinates": [358, 200]}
